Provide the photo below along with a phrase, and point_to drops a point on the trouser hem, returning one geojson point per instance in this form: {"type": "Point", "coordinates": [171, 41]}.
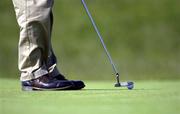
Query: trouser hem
{"type": "Point", "coordinates": [25, 76]}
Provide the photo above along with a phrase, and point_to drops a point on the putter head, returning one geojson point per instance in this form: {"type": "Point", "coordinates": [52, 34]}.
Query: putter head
{"type": "Point", "coordinates": [129, 85]}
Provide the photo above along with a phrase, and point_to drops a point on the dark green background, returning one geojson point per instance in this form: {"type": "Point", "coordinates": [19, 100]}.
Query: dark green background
{"type": "Point", "coordinates": [143, 37]}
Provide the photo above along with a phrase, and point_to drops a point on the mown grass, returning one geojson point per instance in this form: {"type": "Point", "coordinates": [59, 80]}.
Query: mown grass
{"type": "Point", "coordinates": [148, 97]}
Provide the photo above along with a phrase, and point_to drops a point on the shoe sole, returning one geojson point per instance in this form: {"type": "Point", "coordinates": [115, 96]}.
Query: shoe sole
{"type": "Point", "coordinates": [28, 88]}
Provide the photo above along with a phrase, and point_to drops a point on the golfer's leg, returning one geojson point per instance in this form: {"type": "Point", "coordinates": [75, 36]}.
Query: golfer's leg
{"type": "Point", "coordinates": [33, 17]}
{"type": "Point", "coordinates": [52, 62]}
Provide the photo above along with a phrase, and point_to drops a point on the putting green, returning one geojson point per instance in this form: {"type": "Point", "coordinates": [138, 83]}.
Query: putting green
{"type": "Point", "coordinates": [148, 97]}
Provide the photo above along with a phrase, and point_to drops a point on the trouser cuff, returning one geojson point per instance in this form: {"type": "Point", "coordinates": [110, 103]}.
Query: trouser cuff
{"type": "Point", "coordinates": [25, 76]}
{"type": "Point", "coordinates": [53, 71]}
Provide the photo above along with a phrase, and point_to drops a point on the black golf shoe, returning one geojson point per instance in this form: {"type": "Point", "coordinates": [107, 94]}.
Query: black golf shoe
{"type": "Point", "coordinates": [77, 84]}
{"type": "Point", "coordinates": [46, 83]}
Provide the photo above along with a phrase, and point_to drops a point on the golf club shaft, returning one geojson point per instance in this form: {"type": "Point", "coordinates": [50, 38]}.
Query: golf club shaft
{"type": "Point", "coordinates": [102, 41]}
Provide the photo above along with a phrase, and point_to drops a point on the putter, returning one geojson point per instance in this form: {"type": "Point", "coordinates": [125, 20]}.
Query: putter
{"type": "Point", "coordinates": [129, 85]}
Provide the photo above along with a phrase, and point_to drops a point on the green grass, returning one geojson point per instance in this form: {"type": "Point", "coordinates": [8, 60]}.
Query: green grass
{"type": "Point", "coordinates": [148, 97]}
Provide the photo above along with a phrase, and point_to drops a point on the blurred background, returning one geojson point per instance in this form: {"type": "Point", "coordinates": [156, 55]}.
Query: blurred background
{"type": "Point", "coordinates": [143, 37]}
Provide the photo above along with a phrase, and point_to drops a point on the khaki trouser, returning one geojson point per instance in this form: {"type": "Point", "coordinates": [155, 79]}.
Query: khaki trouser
{"type": "Point", "coordinates": [36, 57]}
